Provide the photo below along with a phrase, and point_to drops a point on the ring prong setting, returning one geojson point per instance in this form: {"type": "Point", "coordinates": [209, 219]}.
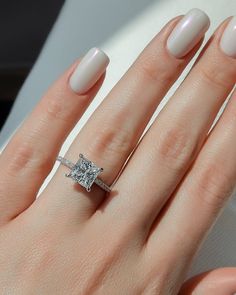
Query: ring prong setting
{"type": "Point", "coordinates": [84, 172]}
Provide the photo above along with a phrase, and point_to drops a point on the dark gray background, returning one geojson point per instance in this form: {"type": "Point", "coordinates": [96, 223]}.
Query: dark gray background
{"type": "Point", "coordinates": [24, 26]}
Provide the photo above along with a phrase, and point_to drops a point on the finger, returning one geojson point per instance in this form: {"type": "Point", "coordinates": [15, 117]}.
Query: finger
{"type": "Point", "coordinates": [207, 186]}
{"type": "Point", "coordinates": [115, 128]}
{"type": "Point", "coordinates": [29, 156]}
{"type": "Point", "coordinates": [217, 281]}
{"type": "Point", "coordinates": [175, 138]}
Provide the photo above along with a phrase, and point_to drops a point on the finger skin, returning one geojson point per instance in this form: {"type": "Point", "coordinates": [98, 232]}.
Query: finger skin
{"type": "Point", "coordinates": [31, 153]}
{"type": "Point", "coordinates": [202, 194]}
{"type": "Point", "coordinates": [220, 281]}
{"type": "Point", "coordinates": [122, 117]}
{"type": "Point", "coordinates": [175, 138]}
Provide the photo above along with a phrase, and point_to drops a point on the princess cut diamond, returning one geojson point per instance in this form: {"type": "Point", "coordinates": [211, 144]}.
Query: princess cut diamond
{"type": "Point", "coordinates": [84, 172]}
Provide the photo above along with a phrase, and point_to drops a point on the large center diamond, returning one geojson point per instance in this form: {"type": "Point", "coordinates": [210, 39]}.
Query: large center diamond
{"type": "Point", "coordinates": [84, 172]}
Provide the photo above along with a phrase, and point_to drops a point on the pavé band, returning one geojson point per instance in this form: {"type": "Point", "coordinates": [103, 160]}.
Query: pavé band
{"type": "Point", "coordinates": [84, 172]}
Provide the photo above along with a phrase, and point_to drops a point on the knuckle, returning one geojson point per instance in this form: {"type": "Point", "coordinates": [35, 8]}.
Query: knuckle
{"type": "Point", "coordinates": [27, 156]}
{"type": "Point", "coordinates": [157, 282]}
{"type": "Point", "coordinates": [176, 147]}
{"type": "Point", "coordinates": [214, 76]}
{"type": "Point", "coordinates": [54, 108]}
{"type": "Point", "coordinates": [22, 157]}
{"type": "Point", "coordinates": [214, 186]}
{"type": "Point", "coordinates": [157, 71]}
{"type": "Point", "coordinates": [112, 140]}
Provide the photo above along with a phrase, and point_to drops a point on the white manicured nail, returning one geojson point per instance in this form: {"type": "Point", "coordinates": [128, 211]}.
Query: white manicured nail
{"type": "Point", "coordinates": [89, 70]}
{"type": "Point", "coordinates": [188, 32]}
{"type": "Point", "coordinates": [228, 39]}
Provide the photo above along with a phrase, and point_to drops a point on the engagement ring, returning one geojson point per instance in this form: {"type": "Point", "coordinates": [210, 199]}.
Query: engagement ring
{"type": "Point", "coordinates": [84, 172]}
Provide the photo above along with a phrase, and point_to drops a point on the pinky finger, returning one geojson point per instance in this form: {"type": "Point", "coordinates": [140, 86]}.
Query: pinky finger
{"type": "Point", "coordinates": [31, 153]}
{"type": "Point", "coordinates": [217, 281]}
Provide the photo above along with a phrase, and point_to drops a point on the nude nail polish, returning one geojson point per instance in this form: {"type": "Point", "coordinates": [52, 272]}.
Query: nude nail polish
{"type": "Point", "coordinates": [188, 32]}
{"type": "Point", "coordinates": [228, 39]}
{"type": "Point", "coordinates": [89, 70]}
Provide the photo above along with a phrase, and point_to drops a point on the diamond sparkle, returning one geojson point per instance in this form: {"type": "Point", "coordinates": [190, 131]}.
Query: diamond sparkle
{"type": "Point", "coordinates": [84, 172]}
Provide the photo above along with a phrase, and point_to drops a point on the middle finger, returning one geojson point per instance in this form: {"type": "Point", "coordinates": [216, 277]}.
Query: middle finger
{"type": "Point", "coordinates": [172, 143]}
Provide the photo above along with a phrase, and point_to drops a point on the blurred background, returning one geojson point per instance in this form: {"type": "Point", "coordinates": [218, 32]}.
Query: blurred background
{"type": "Point", "coordinates": [24, 26]}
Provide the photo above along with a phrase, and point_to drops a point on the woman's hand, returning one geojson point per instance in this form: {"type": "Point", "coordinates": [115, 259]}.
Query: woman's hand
{"type": "Point", "coordinates": [141, 237]}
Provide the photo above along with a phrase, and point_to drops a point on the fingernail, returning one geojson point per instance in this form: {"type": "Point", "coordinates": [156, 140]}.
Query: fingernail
{"type": "Point", "coordinates": [89, 70]}
{"type": "Point", "coordinates": [188, 32]}
{"type": "Point", "coordinates": [228, 39]}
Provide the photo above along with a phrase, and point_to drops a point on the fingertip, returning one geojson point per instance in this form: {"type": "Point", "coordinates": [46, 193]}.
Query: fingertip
{"type": "Point", "coordinates": [217, 281]}
{"type": "Point", "coordinates": [187, 33]}
{"type": "Point", "coordinates": [88, 71]}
